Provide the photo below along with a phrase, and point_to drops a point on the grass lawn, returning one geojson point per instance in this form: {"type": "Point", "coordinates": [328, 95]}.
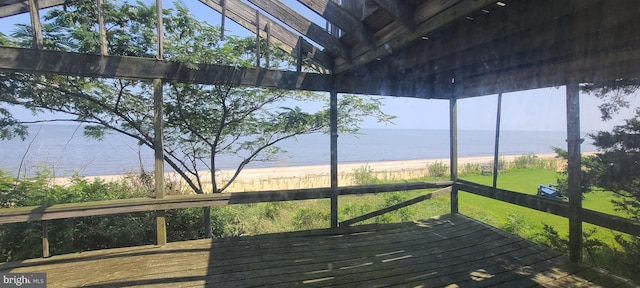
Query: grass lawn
{"type": "Point", "coordinates": [526, 181]}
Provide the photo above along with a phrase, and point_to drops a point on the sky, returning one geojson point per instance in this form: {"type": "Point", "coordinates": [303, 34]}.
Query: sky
{"type": "Point", "coordinates": [532, 110]}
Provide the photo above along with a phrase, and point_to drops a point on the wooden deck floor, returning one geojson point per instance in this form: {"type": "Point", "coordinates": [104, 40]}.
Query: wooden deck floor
{"type": "Point", "coordinates": [452, 251]}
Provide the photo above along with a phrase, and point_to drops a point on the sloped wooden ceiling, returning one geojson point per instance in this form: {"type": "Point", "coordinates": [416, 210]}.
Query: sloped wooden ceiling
{"type": "Point", "coordinates": [411, 48]}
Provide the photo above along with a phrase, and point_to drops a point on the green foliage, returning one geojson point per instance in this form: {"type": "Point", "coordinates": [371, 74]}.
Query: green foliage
{"type": "Point", "coordinates": [586, 178]}
{"type": "Point", "coordinates": [515, 224]}
{"type": "Point", "coordinates": [438, 169]}
{"type": "Point", "coordinates": [201, 122]}
{"type": "Point", "coordinates": [393, 198]}
{"type": "Point", "coordinates": [22, 240]}
{"type": "Point", "coordinates": [530, 160]}
{"type": "Point", "coordinates": [3, 40]}
{"type": "Point", "coordinates": [364, 176]}
{"type": "Point", "coordinates": [271, 210]}
{"type": "Point", "coordinates": [226, 221]}
{"type": "Point", "coordinates": [552, 238]}
{"type": "Point", "coordinates": [308, 218]}
{"type": "Point", "coordinates": [614, 94]}
{"type": "Point", "coordinates": [629, 257]}
{"type": "Point", "coordinates": [470, 168]}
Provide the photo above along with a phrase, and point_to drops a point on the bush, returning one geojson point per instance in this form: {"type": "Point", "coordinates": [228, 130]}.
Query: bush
{"type": "Point", "coordinates": [515, 224]}
{"type": "Point", "coordinates": [364, 176]}
{"type": "Point", "coordinates": [438, 169]}
{"type": "Point", "coordinates": [308, 218]}
{"type": "Point", "coordinates": [528, 161]}
{"type": "Point", "coordinates": [22, 240]}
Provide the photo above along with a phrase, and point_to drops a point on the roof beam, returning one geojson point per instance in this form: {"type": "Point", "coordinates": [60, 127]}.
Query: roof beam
{"type": "Point", "coordinates": [305, 27]}
{"type": "Point", "coordinates": [400, 10]}
{"type": "Point", "coordinates": [393, 37]}
{"type": "Point", "coordinates": [89, 65]}
{"type": "Point", "coordinates": [496, 37]}
{"type": "Point", "coordinates": [333, 13]}
{"type": "Point", "coordinates": [245, 16]}
{"type": "Point", "coordinates": [23, 7]}
{"type": "Point", "coordinates": [595, 67]}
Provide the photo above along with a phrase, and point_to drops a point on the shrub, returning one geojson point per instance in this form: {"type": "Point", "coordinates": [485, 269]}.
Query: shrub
{"type": "Point", "coordinates": [528, 161]}
{"type": "Point", "coordinates": [308, 218]}
{"type": "Point", "coordinates": [438, 169]}
{"type": "Point", "coordinates": [515, 224]}
{"type": "Point", "coordinates": [364, 176]}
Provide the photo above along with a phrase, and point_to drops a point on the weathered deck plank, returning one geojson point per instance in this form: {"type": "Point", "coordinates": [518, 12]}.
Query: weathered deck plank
{"type": "Point", "coordinates": [435, 252]}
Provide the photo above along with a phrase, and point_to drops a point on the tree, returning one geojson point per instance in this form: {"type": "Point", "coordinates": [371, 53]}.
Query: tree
{"type": "Point", "coordinates": [202, 122]}
{"type": "Point", "coordinates": [616, 166]}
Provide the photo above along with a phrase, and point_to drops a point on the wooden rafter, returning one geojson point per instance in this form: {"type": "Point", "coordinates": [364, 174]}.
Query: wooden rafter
{"type": "Point", "coordinates": [11, 8]}
{"type": "Point", "coordinates": [396, 36]}
{"type": "Point", "coordinates": [341, 18]}
{"type": "Point", "coordinates": [244, 15]}
{"type": "Point", "coordinates": [401, 11]}
{"type": "Point", "coordinates": [490, 39]}
{"type": "Point", "coordinates": [304, 26]}
{"type": "Point", "coordinates": [78, 64]}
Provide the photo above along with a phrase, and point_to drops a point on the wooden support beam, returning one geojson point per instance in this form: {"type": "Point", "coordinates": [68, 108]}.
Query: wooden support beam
{"type": "Point", "coordinates": [244, 15]}
{"type": "Point", "coordinates": [36, 27]}
{"type": "Point", "coordinates": [335, 14]}
{"type": "Point", "coordinates": [223, 16]}
{"type": "Point", "coordinates": [267, 53]}
{"type": "Point", "coordinates": [574, 171]}
{"type": "Point", "coordinates": [488, 41]}
{"type": "Point", "coordinates": [257, 39]}
{"type": "Point", "coordinates": [305, 27]}
{"type": "Point", "coordinates": [45, 239]}
{"type": "Point", "coordinates": [20, 7]}
{"type": "Point", "coordinates": [158, 141]}
{"type": "Point", "coordinates": [496, 151]}
{"type": "Point", "coordinates": [77, 64]}
{"type": "Point", "coordinates": [333, 107]}
{"type": "Point", "coordinates": [395, 207]}
{"type": "Point", "coordinates": [453, 148]}
{"type": "Point", "coordinates": [101, 28]}
{"type": "Point", "coordinates": [400, 10]}
{"type": "Point", "coordinates": [300, 54]}
{"type": "Point", "coordinates": [393, 37]}
{"type": "Point", "coordinates": [158, 148]}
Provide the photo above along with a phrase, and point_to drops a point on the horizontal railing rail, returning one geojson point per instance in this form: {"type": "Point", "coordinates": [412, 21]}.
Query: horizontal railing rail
{"type": "Point", "coordinates": [71, 210]}
{"type": "Point", "coordinates": [559, 208]}
{"type": "Point", "coordinates": [416, 200]}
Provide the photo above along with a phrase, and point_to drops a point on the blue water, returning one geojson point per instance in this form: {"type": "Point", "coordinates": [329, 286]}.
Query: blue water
{"type": "Point", "coordinates": [64, 149]}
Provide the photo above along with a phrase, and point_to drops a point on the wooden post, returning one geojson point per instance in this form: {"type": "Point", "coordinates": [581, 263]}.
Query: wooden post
{"type": "Point", "coordinates": [160, 29]}
{"type": "Point", "coordinates": [453, 146]}
{"type": "Point", "coordinates": [497, 143]}
{"type": "Point", "coordinates": [158, 145]}
{"type": "Point", "coordinates": [574, 172]}
{"type": "Point", "coordinates": [102, 30]}
{"type": "Point", "coordinates": [268, 52]}
{"type": "Point", "coordinates": [257, 39]}
{"type": "Point", "coordinates": [36, 27]}
{"type": "Point", "coordinates": [299, 54]}
{"type": "Point", "coordinates": [161, 223]}
{"type": "Point", "coordinates": [45, 239]}
{"type": "Point", "coordinates": [333, 102]}
{"type": "Point", "coordinates": [223, 4]}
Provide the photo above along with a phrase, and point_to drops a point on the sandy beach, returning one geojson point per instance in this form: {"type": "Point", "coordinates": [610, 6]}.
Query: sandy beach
{"type": "Point", "coordinates": [254, 179]}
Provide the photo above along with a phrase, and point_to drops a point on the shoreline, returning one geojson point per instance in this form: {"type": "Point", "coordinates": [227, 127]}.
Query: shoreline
{"type": "Point", "coordinates": [249, 177]}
